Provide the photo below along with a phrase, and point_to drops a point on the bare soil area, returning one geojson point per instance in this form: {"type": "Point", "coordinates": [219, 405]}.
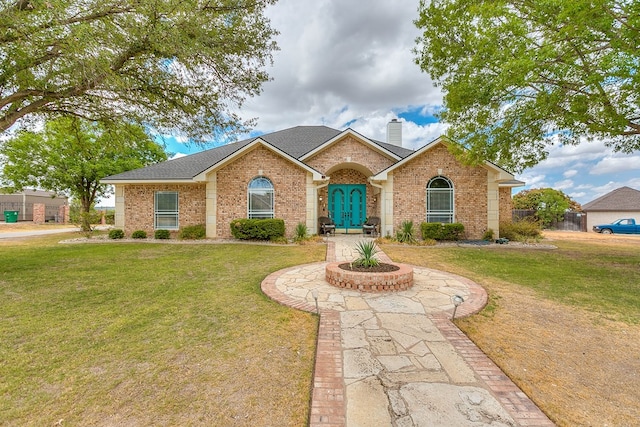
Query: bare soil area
{"type": "Point", "coordinates": [579, 367]}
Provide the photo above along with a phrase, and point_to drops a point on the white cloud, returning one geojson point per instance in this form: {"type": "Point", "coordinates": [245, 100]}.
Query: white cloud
{"type": "Point", "coordinates": [570, 173]}
{"type": "Point", "coordinates": [340, 62]}
{"type": "Point", "coordinates": [611, 164]}
{"type": "Point", "coordinates": [563, 185]}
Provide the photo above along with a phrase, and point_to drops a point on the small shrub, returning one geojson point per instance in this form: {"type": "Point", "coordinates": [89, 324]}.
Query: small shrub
{"type": "Point", "coordinates": [488, 235]}
{"type": "Point", "coordinates": [301, 232]}
{"type": "Point", "coordinates": [139, 234]}
{"type": "Point", "coordinates": [162, 234]}
{"type": "Point", "coordinates": [193, 232]}
{"type": "Point", "coordinates": [367, 251]}
{"type": "Point", "coordinates": [110, 217]}
{"type": "Point", "coordinates": [521, 231]}
{"type": "Point", "coordinates": [257, 229]}
{"type": "Point", "coordinates": [438, 231]}
{"type": "Point", "coordinates": [116, 233]}
{"type": "Point", "coordinates": [406, 233]}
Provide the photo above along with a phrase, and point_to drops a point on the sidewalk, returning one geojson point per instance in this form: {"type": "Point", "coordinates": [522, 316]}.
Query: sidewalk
{"type": "Point", "coordinates": [395, 359]}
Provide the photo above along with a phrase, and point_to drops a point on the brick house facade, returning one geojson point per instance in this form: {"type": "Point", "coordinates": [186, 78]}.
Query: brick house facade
{"type": "Point", "coordinates": [307, 172]}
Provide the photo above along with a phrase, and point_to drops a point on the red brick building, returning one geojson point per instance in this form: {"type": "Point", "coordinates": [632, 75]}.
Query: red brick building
{"type": "Point", "coordinates": [306, 172]}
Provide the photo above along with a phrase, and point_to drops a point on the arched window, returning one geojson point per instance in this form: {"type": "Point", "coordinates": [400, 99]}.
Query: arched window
{"type": "Point", "coordinates": [440, 206]}
{"type": "Point", "coordinates": [260, 198]}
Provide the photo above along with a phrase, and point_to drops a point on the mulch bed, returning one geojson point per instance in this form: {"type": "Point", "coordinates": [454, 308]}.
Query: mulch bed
{"type": "Point", "coordinates": [380, 268]}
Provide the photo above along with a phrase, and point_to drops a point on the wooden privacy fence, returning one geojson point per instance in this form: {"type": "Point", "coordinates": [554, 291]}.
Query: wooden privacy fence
{"type": "Point", "coordinates": [573, 221]}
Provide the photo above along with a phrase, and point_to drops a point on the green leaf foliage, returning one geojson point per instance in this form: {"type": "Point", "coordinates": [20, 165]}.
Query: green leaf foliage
{"type": "Point", "coordinates": [71, 156]}
{"type": "Point", "coordinates": [549, 204]}
{"type": "Point", "coordinates": [139, 234]}
{"type": "Point", "coordinates": [438, 231]}
{"type": "Point", "coordinates": [518, 76]}
{"type": "Point", "coordinates": [177, 65]}
{"type": "Point", "coordinates": [367, 250]}
{"type": "Point", "coordinates": [257, 229]}
{"type": "Point", "coordinates": [116, 233]}
{"type": "Point", "coordinates": [193, 232]}
{"type": "Point", "coordinates": [162, 234]}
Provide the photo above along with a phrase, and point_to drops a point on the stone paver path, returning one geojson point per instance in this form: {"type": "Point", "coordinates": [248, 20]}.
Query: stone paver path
{"type": "Point", "coordinates": [395, 359]}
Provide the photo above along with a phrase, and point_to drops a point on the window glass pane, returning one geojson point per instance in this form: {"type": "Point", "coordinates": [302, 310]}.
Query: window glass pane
{"type": "Point", "coordinates": [260, 198]}
{"type": "Point", "coordinates": [166, 202]}
{"type": "Point", "coordinates": [166, 210]}
{"type": "Point", "coordinates": [440, 206]}
{"type": "Point", "coordinates": [169, 221]}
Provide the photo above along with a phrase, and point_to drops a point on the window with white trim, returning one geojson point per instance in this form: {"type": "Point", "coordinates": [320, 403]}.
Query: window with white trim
{"type": "Point", "coordinates": [260, 198]}
{"type": "Point", "coordinates": [440, 206]}
{"type": "Point", "coordinates": [166, 210]}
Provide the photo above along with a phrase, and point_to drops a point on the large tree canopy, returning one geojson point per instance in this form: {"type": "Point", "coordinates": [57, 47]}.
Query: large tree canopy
{"type": "Point", "coordinates": [176, 65]}
{"type": "Point", "coordinates": [71, 156]}
{"type": "Point", "coordinates": [548, 203]}
{"type": "Point", "coordinates": [519, 75]}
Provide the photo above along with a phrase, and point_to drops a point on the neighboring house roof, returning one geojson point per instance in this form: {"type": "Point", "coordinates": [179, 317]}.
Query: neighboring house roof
{"type": "Point", "coordinates": [619, 200]}
{"type": "Point", "coordinates": [296, 142]}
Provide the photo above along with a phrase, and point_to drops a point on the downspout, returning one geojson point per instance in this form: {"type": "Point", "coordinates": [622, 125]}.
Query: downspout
{"type": "Point", "coordinates": [315, 213]}
{"type": "Point", "coordinates": [382, 207]}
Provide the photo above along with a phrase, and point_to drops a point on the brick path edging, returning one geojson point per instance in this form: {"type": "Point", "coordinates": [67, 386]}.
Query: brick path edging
{"type": "Point", "coordinates": [328, 394]}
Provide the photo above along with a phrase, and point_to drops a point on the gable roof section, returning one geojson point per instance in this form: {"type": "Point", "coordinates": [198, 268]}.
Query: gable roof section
{"type": "Point", "coordinates": [505, 178]}
{"type": "Point", "coordinates": [389, 150]}
{"type": "Point", "coordinates": [292, 143]}
{"type": "Point", "coordinates": [620, 199]}
{"type": "Point", "coordinates": [317, 176]}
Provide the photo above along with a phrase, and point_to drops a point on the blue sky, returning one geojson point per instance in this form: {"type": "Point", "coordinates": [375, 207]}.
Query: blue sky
{"type": "Point", "coordinates": [344, 65]}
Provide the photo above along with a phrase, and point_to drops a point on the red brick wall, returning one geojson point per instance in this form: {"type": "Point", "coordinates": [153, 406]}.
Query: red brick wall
{"type": "Point", "coordinates": [470, 190]}
{"type": "Point", "coordinates": [139, 205]}
{"type": "Point", "coordinates": [506, 205]}
{"type": "Point", "coordinates": [349, 147]}
{"type": "Point", "coordinates": [289, 183]}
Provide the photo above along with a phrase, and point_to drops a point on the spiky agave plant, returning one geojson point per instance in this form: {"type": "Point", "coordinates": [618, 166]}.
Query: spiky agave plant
{"type": "Point", "coordinates": [367, 251]}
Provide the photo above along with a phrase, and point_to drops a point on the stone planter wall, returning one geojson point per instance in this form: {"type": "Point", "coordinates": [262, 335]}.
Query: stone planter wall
{"type": "Point", "coordinates": [394, 281]}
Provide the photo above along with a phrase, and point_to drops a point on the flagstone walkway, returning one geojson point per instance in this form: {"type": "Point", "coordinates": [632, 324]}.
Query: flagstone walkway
{"type": "Point", "coordinates": [395, 359]}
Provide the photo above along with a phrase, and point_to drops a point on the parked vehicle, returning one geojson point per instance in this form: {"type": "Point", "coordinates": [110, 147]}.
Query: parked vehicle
{"type": "Point", "coordinates": [619, 226]}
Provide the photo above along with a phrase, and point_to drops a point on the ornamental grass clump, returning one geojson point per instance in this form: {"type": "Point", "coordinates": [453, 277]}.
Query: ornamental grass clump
{"type": "Point", "coordinates": [367, 251]}
{"type": "Point", "coordinates": [406, 234]}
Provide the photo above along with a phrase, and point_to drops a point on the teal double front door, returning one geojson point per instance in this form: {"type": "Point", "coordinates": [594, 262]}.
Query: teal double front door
{"type": "Point", "coordinates": [348, 205]}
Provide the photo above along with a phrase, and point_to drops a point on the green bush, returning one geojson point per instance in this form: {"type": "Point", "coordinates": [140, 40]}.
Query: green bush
{"type": "Point", "coordinates": [521, 231]}
{"type": "Point", "coordinates": [139, 234]}
{"type": "Point", "coordinates": [257, 229]}
{"type": "Point", "coordinates": [193, 232]}
{"type": "Point", "coordinates": [406, 233]}
{"type": "Point", "coordinates": [116, 233]}
{"type": "Point", "coordinates": [162, 234]}
{"type": "Point", "coordinates": [438, 231]}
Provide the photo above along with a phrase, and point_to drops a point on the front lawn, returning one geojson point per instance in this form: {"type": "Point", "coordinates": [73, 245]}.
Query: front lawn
{"type": "Point", "coordinates": [151, 334]}
{"type": "Point", "coordinates": [563, 323]}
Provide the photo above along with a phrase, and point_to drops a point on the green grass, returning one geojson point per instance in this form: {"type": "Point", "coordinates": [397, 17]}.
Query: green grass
{"type": "Point", "coordinates": [599, 278]}
{"type": "Point", "coordinates": [128, 333]}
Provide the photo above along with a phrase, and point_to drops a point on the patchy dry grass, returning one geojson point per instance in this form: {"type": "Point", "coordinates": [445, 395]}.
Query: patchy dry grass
{"type": "Point", "coordinates": [150, 334]}
{"type": "Point", "coordinates": [564, 324]}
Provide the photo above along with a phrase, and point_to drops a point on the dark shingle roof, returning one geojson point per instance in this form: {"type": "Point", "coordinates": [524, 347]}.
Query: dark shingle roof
{"type": "Point", "coordinates": [296, 142]}
{"type": "Point", "coordinates": [621, 199]}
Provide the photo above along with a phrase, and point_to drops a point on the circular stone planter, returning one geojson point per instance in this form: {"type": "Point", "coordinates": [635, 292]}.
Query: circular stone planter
{"type": "Point", "coordinates": [392, 281]}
